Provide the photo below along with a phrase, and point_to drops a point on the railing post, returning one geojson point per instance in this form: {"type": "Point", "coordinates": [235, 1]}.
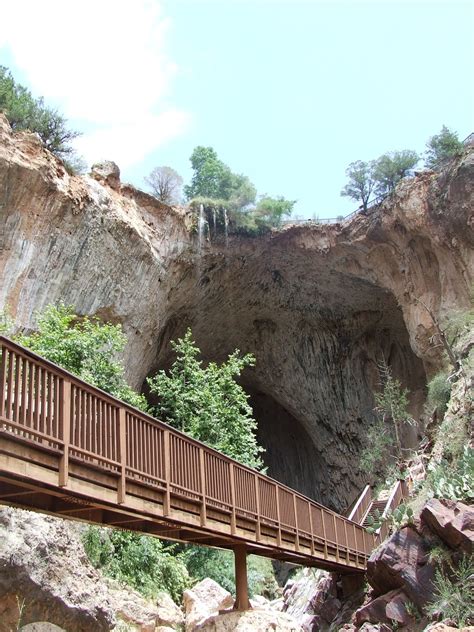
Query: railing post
{"type": "Point", "coordinates": [3, 365]}
{"type": "Point", "coordinates": [121, 491]}
{"type": "Point", "coordinates": [278, 515]}
{"type": "Point", "coordinates": [65, 432]}
{"type": "Point", "coordinates": [257, 496]}
{"type": "Point", "coordinates": [336, 540]}
{"type": "Point", "coordinates": [242, 601]}
{"type": "Point", "coordinates": [202, 471]}
{"type": "Point", "coordinates": [297, 536]}
{"type": "Point", "coordinates": [233, 520]}
{"type": "Point", "coordinates": [311, 527]}
{"type": "Point", "coordinates": [166, 460]}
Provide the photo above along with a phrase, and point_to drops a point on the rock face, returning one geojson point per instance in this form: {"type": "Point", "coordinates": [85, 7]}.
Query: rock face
{"type": "Point", "coordinates": [252, 620]}
{"type": "Point", "coordinates": [318, 305]}
{"type": "Point", "coordinates": [45, 576]}
{"type": "Point", "coordinates": [452, 521]}
{"type": "Point", "coordinates": [206, 599]}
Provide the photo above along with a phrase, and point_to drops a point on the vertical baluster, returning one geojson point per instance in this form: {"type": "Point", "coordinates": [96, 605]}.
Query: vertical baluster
{"type": "Point", "coordinates": [43, 401]}
{"type": "Point", "coordinates": [121, 492]}
{"type": "Point", "coordinates": [30, 393]}
{"type": "Point", "coordinates": [16, 397]}
{"type": "Point", "coordinates": [37, 397]}
{"type": "Point", "coordinates": [297, 536]}
{"type": "Point", "coordinates": [24, 394]}
{"type": "Point", "coordinates": [3, 379]}
{"type": "Point", "coordinates": [323, 524]}
{"type": "Point", "coordinates": [11, 361]}
{"type": "Point", "coordinates": [64, 432]}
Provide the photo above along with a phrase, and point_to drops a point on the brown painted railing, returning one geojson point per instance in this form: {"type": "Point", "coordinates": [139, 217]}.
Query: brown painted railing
{"type": "Point", "coordinates": [398, 493]}
{"type": "Point", "coordinates": [53, 411]}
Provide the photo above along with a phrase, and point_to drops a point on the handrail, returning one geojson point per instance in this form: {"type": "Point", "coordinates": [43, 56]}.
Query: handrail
{"type": "Point", "coordinates": [362, 505]}
{"type": "Point", "coordinates": [397, 494]}
{"type": "Point", "coordinates": [86, 424]}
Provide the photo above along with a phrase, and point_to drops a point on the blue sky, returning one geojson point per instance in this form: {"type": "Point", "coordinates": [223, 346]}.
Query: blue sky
{"type": "Point", "coordinates": [288, 93]}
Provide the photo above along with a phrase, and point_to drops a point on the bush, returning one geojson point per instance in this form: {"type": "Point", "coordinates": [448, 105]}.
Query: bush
{"type": "Point", "coordinates": [453, 480]}
{"type": "Point", "coordinates": [140, 561]}
{"type": "Point", "coordinates": [454, 593]}
{"type": "Point", "coordinates": [439, 392]}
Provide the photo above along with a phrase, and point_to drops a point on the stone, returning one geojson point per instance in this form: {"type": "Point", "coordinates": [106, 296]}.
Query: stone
{"type": "Point", "coordinates": [451, 521]}
{"type": "Point", "coordinates": [388, 608]}
{"type": "Point", "coordinates": [205, 599]}
{"type": "Point", "coordinates": [45, 575]}
{"type": "Point", "coordinates": [442, 627]}
{"type": "Point", "coordinates": [41, 626]}
{"type": "Point", "coordinates": [402, 561]}
{"type": "Point", "coordinates": [106, 172]}
{"type": "Point", "coordinates": [250, 621]}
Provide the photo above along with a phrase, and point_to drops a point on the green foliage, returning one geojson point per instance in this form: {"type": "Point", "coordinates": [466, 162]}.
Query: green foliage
{"type": "Point", "coordinates": [377, 450]}
{"type": "Point", "coordinates": [442, 147]}
{"type": "Point", "coordinates": [84, 346]}
{"type": "Point", "coordinates": [203, 562]}
{"type": "Point", "coordinates": [439, 392]}
{"type": "Point", "coordinates": [400, 516]}
{"type": "Point", "coordinates": [390, 168]}
{"type": "Point", "coordinates": [141, 561]}
{"type": "Point", "coordinates": [207, 403]}
{"type": "Point", "coordinates": [6, 323]}
{"type": "Point", "coordinates": [270, 211]}
{"type": "Point", "coordinates": [25, 112]}
{"type": "Point", "coordinates": [453, 480]}
{"type": "Point", "coordinates": [361, 182]}
{"type": "Point", "coordinates": [454, 593]}
{"type": "Point", "coordinates": [213, 179]}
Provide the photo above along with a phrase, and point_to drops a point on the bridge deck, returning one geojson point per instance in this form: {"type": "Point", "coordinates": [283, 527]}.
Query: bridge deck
{"type": "Point", "coordinates": [69, 449]}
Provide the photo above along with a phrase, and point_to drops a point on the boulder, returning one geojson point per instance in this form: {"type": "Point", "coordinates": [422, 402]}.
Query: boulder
{"type": "Point", "coordinates": [451, 521]}
{"type": "Point", "coordinates": [206, 599]}
{"type": "Point", "coordinates": [251, 620]}
{"type": "Point", "coordinates": [388, 608]}
{"type": "Point", "coordinates": [443, 627]}
{"type": "Point", "coordinates": [106, 172]}
{"type": "Point", "coordinates": [41, 626]}
{"type": "Point", "coordinates": [402, 562]}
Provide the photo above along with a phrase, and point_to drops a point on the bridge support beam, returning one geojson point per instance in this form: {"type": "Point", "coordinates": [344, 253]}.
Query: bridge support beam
{"type": "Point", "coordinates": [242, 601]}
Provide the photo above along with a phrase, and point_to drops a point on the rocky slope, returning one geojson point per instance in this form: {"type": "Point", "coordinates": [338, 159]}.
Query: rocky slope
{"type": "Point", "coordinates": [319, 305]}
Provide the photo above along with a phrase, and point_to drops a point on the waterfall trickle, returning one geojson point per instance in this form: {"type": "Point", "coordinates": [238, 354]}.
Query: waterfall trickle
{"type": "Point", "coordinates": [226, 227]}
{"type": "Point", "coordinates": [201, 222]}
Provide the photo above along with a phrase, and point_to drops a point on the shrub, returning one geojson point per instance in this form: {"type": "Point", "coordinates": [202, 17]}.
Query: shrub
{"type": "Point", "coordinates": [140, 561]}
{"type": "Point", "coordinates": [454, 593]}
{"type": "Point", "coordinates": [439, 392]}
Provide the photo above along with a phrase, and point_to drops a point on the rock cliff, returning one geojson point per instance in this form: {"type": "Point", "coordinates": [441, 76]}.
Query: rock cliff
{"type": "Point", "coordinates": [319, 305]}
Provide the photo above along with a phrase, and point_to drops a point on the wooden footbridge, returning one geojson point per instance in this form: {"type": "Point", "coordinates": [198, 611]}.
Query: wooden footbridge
{"type": "Point", "coordinates": [69, 449]}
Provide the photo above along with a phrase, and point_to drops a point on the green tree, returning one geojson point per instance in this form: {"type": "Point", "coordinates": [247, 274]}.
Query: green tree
{"type": "Point", "coordinates": [271, 211]}
{"type": "Point", "coordinates": [207, 403]}
{"type": "Point", "coordinates": [442, 147]}
{"type": "Point", "coordinates": [24, 112]}
{"type": "Point", "coordinates": [361, 182]}
{"type": "Point", "coordinates": [390, 168]}
{"type": "Point", "coordinates": [213, 179]}
{"type": "Point", "coordinates": [84, 346]}
{"type": "Point", "coordinates": [165, 184]}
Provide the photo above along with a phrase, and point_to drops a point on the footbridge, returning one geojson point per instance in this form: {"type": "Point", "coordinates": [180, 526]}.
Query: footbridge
{"type": "Point", "coordinates": [71, 450]}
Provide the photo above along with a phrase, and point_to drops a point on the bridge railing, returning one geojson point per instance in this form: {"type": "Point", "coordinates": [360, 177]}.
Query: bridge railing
{"type": "Point", "coordinates": [44, 405]}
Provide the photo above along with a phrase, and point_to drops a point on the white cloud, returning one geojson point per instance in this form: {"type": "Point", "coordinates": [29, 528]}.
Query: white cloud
{"type": "Point", "coordinates": [104, 63]}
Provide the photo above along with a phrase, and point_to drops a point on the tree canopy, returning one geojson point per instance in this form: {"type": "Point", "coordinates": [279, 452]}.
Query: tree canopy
{"type": "Point", "coordinates": [442, 147]}
{"type": "Point", "coordinates": [390, 168]}
{"type": "Point", "coordinates": [25, 112]}
{"type": "Point", "coordinates": [84, 346]}
{"type": "Point", "coordinates": [165, 184]}
{"type": "Point", "coordinates": [207, 403]}
{"type": "Point", "coordinates": [361, 182]}
{"type": "Point", "coordinates": [270, 211]}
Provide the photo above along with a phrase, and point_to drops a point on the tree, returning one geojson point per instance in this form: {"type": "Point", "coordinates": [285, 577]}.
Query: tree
{"type": "Point", "coordinates": [165, 184]}
{"type": "Point", "coordinates": [442, 147]}
{"type": "Point", "coordinates": [24, 112]}
{"type": "Point", "coordinates": [390, 168]}
{"type": "Point", "coordinates": [84, 346]}
{"type": "Point", "coordinates": [361, 182]}
{"type": "Point", "coordinates": [213, 179]}
{"type": "Point", "coordinates": [270, 211]}
{"type": "Point", "coordinates": [207, 403]}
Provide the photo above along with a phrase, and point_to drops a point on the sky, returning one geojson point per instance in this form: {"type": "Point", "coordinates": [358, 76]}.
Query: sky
{"type": "Point", "coordinates": [286, 92]}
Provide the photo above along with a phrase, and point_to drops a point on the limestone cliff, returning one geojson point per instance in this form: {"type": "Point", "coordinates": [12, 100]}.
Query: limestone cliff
{"type": "Point", "coordinates": [319, 305]}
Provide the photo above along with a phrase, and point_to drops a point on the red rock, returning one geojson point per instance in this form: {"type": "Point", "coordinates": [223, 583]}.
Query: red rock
{"type": "Point", "coordinates": [452, 521]}
{"type": "Point", "coordinates": [385, 609]}
{"type": "Point", "coordinates": [402, 562]}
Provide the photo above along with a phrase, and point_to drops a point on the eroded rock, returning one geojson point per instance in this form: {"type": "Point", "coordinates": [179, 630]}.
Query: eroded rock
{"type": "Point", "coordinates": [106, 172]}
{"type": "Point", "coordinates": [251, 620]}
{"type": "Point", "coordinates": [204, 600]}
{"type": "Point", "coordinates": [452, 521]}
{"type": "Point", "coordinates": [402, 561]}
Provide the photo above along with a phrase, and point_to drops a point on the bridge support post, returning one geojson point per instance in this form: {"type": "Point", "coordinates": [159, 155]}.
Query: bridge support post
{"type": "Point", "coordinates": [242, 601]}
